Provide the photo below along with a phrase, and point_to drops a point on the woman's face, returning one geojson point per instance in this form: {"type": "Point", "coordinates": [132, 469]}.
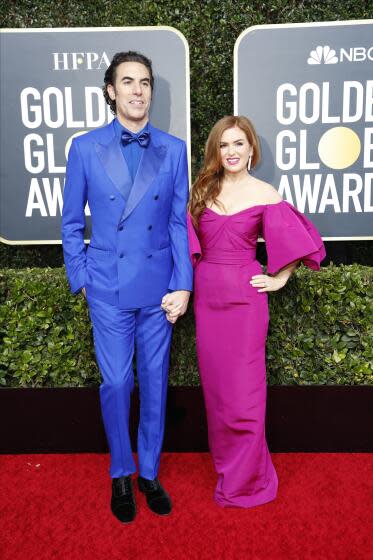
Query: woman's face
{"type": "Point", "coordinates": [234, 150]}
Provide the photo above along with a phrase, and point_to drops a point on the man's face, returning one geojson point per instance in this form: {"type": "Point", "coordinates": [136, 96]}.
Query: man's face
{"type": "Point", "coordinates": [132, 93]}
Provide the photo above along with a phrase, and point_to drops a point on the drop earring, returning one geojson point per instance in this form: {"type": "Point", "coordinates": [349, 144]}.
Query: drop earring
{"type": "Point", "coordinates": [249, 162]}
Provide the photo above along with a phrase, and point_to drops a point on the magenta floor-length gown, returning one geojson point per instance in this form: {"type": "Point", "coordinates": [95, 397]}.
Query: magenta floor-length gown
{"type": "Point", "coordinates": [231, 328]}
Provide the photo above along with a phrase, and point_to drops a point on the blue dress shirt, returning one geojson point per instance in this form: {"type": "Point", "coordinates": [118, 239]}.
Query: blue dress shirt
{"type": "Point", "coordinates": [131, 152]}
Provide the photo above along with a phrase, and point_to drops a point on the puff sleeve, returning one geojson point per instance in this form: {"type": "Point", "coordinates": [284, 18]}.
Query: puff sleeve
{"type": "Point", "coordinates": [289, 237]}
{"type": "Point", "coordinates": [195, 251]}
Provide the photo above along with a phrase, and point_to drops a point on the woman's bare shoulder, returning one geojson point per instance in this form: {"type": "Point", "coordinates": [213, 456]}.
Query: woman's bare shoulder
{"type": "Point", "coordinates": [266, 193]}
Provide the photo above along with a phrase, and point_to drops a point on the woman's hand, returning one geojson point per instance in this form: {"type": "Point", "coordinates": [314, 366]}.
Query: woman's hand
{"type": "Point", "coordinates": [273, 283]}
{"type": "Point", "coordinates": [267, 283]}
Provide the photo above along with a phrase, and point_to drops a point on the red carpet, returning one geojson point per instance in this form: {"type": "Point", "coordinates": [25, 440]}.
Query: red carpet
{"type": "Point", "coordinates": [57, 507]}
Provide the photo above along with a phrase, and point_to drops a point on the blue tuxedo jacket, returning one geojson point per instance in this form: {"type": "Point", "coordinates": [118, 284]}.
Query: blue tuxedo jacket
{"type": "Point", "coordinates": [139, 245]}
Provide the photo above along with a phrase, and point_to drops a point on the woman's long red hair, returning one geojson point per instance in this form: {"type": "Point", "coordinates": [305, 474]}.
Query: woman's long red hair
{"type": "Point", "coordinates": [207, 186]}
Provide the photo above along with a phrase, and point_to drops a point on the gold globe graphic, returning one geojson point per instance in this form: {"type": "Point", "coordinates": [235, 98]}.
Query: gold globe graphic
{"type": "Point", "coordinates": [339, 147]}
{"type": "Point", "coordinates": [69, 141]}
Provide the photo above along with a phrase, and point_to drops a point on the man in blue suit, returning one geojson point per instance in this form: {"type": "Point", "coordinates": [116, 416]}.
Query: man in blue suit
{"type": "Point", "coordinates": [135, 273]}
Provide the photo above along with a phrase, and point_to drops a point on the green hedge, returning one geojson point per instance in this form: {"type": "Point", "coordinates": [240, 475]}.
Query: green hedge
{"type": "Point", "coordinates": [321, 331]}
{"type": "Point", "coordinates": [211, 28]}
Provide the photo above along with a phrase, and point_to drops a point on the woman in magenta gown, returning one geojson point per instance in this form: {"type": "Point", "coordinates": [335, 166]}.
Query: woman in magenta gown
{"type": "Point", "coordinates": [229, 210]}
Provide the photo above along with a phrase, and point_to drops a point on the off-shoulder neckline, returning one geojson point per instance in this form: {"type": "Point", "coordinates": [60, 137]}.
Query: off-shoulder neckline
{"type": "Point", "coordinates": [245, 209]}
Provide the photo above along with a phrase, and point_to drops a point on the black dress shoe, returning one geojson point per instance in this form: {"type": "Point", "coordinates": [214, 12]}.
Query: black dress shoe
{"type": "Point", "coordinates": [123, 503]}
{"type": "Point", "coordinates": [156, 496]}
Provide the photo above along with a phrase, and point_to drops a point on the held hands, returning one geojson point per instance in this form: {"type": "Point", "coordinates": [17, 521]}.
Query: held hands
{"type": "Point", "coordinates": [175, 304]}
{"type": "Point", "coordinates": [267, 283]}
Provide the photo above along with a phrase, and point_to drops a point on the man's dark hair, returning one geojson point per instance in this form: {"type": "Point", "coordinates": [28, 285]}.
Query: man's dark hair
{"type": "Point", "coordinates": [110, 74]}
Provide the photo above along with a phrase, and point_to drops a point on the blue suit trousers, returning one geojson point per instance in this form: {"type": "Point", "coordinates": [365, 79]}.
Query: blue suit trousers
{"type": "Point", "coordinates": [117, 333]}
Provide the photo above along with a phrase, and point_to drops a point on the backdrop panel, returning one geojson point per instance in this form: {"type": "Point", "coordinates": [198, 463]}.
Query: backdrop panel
{"type": "Point", "coordinates": [51, 83]}
{"type": "Point", "coordinates": [308, 88]}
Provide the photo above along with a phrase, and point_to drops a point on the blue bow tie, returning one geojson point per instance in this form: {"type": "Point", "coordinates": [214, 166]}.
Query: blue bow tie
{"type": "Point", "coordinates": [143, 139]}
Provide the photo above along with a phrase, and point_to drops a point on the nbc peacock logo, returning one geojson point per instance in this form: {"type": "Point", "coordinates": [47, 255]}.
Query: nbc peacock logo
{"type": "Point", "coordinates": [322, 55]}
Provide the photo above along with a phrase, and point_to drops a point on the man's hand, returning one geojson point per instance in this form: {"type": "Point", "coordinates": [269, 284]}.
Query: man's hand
{"type": "Point", "coordinates": [175, 304]}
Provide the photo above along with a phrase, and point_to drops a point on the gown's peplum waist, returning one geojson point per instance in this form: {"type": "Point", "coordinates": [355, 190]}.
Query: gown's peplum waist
{"type": "Point", "coordinates": [221, 256]}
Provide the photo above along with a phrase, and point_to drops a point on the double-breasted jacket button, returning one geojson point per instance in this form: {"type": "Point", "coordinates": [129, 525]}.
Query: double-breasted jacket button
{"type": "Point", "coordinates": [156, 197]}
{"type": "Point", "coordinates": [120, 228]}
{"type": "Point", "coordinates": [112, 197]}
{"type": "Point", "coordinates": [121, 256]}
{"type": "Point", "coordinates": [150, 227]}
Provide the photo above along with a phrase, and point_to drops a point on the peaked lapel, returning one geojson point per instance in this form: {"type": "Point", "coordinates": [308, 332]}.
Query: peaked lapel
{"type": "Point", "coordinates": [149, 166]}
{"type": "Point", "coordinates": [111, 157]}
